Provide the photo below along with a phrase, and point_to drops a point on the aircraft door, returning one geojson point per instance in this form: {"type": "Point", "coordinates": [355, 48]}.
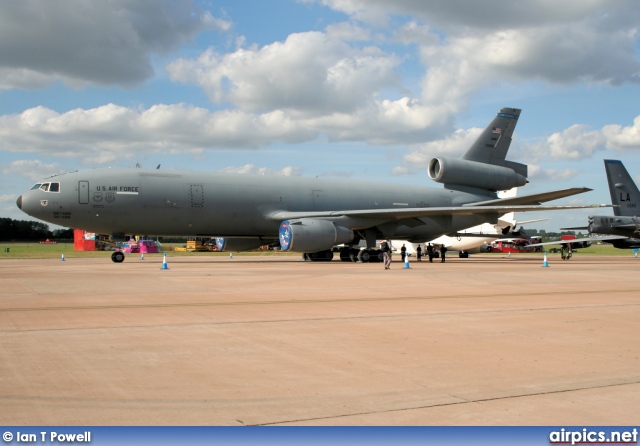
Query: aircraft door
{"type": "Point", "coordinates": [83, 192]}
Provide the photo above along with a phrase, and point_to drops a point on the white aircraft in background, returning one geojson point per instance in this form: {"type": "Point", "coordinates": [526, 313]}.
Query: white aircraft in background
{"type": "Point", "coordinates": [474, 239]}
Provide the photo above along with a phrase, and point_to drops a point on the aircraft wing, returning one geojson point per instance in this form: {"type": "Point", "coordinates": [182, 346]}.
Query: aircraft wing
{"type": "Point", "coordinates": [535, 198]}
{"type": "Point", "coordinates": [602, 238]}
{"type": "Point", "coordinates": [407, 213]}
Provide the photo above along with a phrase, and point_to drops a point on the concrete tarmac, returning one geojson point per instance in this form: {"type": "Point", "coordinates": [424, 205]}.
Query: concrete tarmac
{"type": "Point", "coordinates": [489, 340]}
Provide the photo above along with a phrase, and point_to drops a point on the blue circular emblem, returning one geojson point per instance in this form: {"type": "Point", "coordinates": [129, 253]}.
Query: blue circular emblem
{"type": "Point", "coordinates": [221, 243]}
{"type": "Point", "coordinates": [285, 235]}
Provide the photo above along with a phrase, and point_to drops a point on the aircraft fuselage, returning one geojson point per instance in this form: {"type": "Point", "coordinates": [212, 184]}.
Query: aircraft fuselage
{"type": "Point", "coordinates": [182, 203]}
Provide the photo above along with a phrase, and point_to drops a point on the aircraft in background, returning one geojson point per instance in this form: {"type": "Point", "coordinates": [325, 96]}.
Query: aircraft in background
{"type": "Point", "coordinates": [477, 238]}
{"type": "Point", "coordinates": [306, 215]}
{"type": "Point", "coordinates": [622, 230]}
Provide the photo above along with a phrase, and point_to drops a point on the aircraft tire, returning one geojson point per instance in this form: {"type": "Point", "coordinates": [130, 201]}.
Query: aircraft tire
{"type": "Point", "coordinates": [375, 255]}
{"type": "Point", "coordinates": [364, 256]}
{"type": "Point", "coordinates": [117, 257]}
{"type": "Point", "coordinates": [322, 256]}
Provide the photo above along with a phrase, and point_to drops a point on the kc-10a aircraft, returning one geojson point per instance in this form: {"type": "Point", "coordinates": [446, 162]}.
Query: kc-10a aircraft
{"type": "Point", "coordinates": [307, 215]}
{"type": "Point", "coordinates": [622, 229]}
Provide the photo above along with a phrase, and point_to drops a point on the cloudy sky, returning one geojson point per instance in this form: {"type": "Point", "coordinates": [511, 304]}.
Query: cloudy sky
{"type": "Point", "coordinates": [366, 89]}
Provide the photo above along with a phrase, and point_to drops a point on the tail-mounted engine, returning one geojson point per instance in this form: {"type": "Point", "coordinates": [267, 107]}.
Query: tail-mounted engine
{"type": "Point", "coordinates": [312, 235]}
{"type": "Point", "coordinates": [474, 174]}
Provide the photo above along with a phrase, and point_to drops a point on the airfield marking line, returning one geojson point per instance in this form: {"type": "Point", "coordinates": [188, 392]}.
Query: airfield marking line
{"type": "Point", "coordinates": [308, 301]}
{"type": "Point", "coordinates": [453, 403]}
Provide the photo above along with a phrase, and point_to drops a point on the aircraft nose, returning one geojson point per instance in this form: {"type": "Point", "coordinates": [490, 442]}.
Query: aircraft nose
{"type": "Point", "coordinates": [19, 202]}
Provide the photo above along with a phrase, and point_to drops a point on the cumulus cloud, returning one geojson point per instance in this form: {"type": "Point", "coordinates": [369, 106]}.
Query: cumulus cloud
{"type": "Point", "coordinates": [580, 141]}
{"type": "Point", "coordinates": [310, 73]}
{"type": "Point", "coordinates": [453, 145]}
{"type": "Point", "coordinates": [108, 132]}
{"type": "Point", "coordinates": [540, 175]}
{"type": "Point", "coordinates": [623, 138]}
{"type": "Point", "coordinates": [576, 142]}
{"type": "Point", "coordinates": [106, 42]}
{"type": "Point", "coordinates": [468, 45]}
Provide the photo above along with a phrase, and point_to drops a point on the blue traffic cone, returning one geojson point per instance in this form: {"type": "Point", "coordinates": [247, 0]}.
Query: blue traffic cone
{"type": "Point", "coordinates": [231, 255]}
{"type": "Point", "coordinates": [142, 256]}
{"type": "Point", "coordinates": [62, 258]}
{"type": "Point", "coordinates": [406, 262]}
{"type": "Point", "coordinates": [545, 263]}
{"type": "Point", "coordinates": [164, 262]}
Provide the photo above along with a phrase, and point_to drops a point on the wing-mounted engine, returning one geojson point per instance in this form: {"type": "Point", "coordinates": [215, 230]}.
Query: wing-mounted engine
{"type": "Point", "coordinates": [460, 172]}
{"type": "Point", "coordinates": [312, 235]}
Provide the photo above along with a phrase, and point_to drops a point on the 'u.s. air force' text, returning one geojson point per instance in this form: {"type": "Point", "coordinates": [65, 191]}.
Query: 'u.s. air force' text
{"type": "Point", "coordinates": [117, 188]}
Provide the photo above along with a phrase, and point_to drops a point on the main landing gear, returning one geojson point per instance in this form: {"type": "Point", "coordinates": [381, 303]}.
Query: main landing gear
{"type": "Point", "coordinates": [360, 255]}
{"type": "Point", "coordinates": [117, 257]}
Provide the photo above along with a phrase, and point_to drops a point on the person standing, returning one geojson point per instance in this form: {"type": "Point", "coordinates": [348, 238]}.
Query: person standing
{"type": "Point", "coordinates": [443, 250]}
{"type": "Point", "coordinates": [386, 254]}
{"type": "Point", "coordinates": [419, 253]}
{"type": "Point", "coordinates": [403, 252]}
{"type": "Point", "coordinates": [430, 252]}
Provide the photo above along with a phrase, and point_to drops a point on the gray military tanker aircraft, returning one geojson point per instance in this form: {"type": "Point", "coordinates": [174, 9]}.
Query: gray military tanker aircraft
{"type": "Point", "coordinates": [307, 215]}
{"type": "Point", "coordinates": [622, 229]}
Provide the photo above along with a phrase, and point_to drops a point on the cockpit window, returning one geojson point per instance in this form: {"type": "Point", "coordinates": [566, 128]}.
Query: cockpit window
{"type": "Point", "coordinates": [48, 187]}
{"type": "Point", "coordinates": [36, 186]}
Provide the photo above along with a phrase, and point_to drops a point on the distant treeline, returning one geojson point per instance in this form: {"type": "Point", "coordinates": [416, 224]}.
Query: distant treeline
{"type": "Point", "coordinates": [22, 231]}
{"type": "Point", "coordinates": [549, 235]}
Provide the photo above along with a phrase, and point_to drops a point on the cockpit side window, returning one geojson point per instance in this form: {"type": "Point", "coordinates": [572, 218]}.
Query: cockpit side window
{"type": "Point", "coordinates": [48, 187]}
{"type": "Point", "coordinates": [36, 186]}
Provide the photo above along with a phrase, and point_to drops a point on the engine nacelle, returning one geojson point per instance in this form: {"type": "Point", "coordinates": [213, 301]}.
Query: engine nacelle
{"type": "Point", "coordinates": [474, 174]}
{"type": "Point", "coordinates": [238, 244]}
{"type": "Point", "coordinates": [312, 235]}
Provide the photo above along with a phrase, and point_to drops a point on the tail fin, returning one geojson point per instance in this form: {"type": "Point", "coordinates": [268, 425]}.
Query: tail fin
{"type": "Point", "coordinates": [492, 145]}
{"type": "Point", "coordinates": [623, 190]}
{"type": "Point", "coordinates": [483, 166]}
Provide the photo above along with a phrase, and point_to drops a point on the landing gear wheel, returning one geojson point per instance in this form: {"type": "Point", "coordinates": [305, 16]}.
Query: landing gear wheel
{"type": "Point", "coordinates": [117, 257]}
{"type": "Point", "coordinates": [364, 256]}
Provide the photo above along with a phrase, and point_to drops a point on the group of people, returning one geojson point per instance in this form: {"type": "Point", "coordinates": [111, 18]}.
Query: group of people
{"type": "Point", "coordinates": [431, 253]}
